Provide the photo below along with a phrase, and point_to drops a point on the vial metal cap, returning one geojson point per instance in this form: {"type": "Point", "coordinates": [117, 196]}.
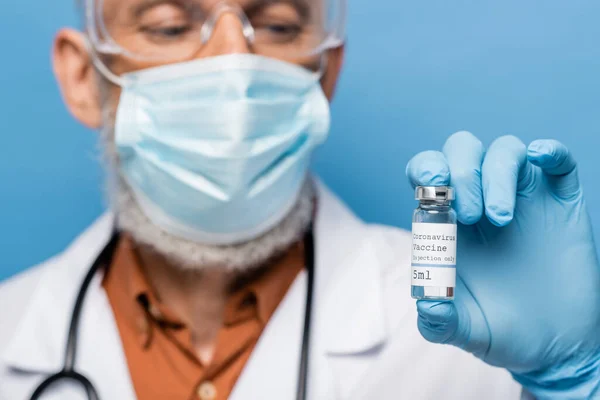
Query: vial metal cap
{"type": "Point", "coordinates": [434, 193]}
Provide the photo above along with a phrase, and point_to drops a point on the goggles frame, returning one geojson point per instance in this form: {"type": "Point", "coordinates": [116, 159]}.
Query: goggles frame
{"type": "Point", "coordinates": [102, 42]}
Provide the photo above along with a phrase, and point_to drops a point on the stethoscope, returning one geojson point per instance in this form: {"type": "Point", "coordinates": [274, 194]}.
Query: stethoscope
{"type": "Point", "coordinates": [68, 371]}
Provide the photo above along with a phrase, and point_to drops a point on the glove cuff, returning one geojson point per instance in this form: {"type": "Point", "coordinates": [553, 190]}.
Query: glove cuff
{"type": "Point", "coordinates": [566, 382]}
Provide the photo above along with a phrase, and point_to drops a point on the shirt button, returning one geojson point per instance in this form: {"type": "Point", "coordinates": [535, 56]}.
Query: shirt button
{"type": "Point", "coordinates": [142, 325]}
{"type": "Point", "coordinates": [207, 391]}
{"type": "Point", "coordinates": [155, 312]}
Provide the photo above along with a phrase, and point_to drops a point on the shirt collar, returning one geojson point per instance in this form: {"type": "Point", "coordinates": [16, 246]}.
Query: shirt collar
{"type": "Point", "coordinates": [257, 295]}
{"type": "Point", "coordinates": [266, 287]}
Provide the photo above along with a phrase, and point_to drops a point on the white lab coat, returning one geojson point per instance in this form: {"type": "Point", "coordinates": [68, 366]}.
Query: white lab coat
{"type": "Point", "coordinates": [364, 344]}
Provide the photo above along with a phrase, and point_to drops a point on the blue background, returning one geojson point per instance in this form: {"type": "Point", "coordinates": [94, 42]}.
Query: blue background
{"type": "Point", "coordinates": [416, 71]}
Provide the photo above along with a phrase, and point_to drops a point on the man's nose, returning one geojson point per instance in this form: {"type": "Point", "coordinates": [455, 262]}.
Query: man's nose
{"type": "Point", "coordinates": [229, 34]}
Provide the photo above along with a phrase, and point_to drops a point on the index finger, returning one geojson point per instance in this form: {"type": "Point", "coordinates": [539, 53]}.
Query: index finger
{"type": "Point", "coordinates": [464, 153]}
{"type": "Point", "coordinates": [428, 168]}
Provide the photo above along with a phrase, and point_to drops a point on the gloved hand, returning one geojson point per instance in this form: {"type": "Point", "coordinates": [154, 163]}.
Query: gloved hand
{"type": "Point", "coordinates": [528, 278]}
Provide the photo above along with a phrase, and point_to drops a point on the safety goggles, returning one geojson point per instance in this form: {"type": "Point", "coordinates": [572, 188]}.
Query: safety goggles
{"type": "Point", "coordinates": [176, 30]}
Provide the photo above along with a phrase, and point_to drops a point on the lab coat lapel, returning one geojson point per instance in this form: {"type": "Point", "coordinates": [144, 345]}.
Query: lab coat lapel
{"type": "Point", "coordinates": [348, 328]}
{"type": "Point", "coordinates": [39, 343]}
{"type": "Point", "coordinates": [101, 355]}
{"type": "Point", "coordinates": [272, 370]}
{"type": "Point", "coordinates": [352, 326]}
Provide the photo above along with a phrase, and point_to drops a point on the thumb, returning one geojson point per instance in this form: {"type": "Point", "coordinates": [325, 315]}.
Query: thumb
{"type": "Point", "coordinates": [456, 323]}
{"type": "Point", "coordinates": [438, 321]}
{"type": "Point", "coordinates": [558, 164]}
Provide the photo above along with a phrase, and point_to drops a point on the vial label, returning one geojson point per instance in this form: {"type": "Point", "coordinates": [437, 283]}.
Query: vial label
{"type": "Point", "coordinates": [433, 255]}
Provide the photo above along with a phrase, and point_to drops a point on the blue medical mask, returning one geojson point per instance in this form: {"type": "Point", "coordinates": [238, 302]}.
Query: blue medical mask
{"type": "Point", "coordinates": [216, 150]}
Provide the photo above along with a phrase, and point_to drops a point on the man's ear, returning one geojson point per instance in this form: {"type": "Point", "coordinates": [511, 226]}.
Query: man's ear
{"type": "Point", "coordinates": [76, 77]}
{"type": "Point", "coordinates": [335, 60]}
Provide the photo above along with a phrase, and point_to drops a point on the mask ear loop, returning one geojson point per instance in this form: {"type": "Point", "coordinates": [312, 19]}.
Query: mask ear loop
{"type": "Point", "coordinates": [322, 65]}
{"type": "Point", "coordinates": [319, 74]}
{"type": "Point", "coordinates": [101, 67]}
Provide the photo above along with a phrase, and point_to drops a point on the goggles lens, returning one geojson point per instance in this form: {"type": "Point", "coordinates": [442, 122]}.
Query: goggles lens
{"type": "Point", "coordinates": [176, 30]}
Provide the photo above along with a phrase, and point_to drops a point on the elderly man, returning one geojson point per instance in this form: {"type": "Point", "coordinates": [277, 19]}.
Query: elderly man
{"type": "Point", "coordinates": [225, 270]}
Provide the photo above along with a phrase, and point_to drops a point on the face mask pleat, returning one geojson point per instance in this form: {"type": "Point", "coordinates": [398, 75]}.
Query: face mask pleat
{"type": "Point", "coordinates": [175, 200]}
{"type": "Point", "coordinates": [160, 189]}
{"type": "Point", "coordinates": [223, 121]}
{"type": "Point", "coordinates": [227, 173]}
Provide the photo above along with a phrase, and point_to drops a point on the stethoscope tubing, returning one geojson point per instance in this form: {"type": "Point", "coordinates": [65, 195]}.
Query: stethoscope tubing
{"type": "Point", "coordinates": [68, 371]}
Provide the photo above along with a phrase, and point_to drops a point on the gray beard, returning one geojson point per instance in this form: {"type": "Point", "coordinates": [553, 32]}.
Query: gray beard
{"type": "Point", "coordinates": [184, 253]}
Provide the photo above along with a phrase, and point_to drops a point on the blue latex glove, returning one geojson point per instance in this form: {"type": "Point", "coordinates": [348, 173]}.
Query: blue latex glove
{"type": "Point", "coordinates": [528, 278]}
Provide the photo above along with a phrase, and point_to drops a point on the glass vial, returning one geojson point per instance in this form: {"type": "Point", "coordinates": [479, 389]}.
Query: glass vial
{"type": "Point", "coordinates": [433, 269]}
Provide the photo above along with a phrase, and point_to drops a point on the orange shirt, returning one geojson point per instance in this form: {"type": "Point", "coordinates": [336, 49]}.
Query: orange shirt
{"type": "Point", "coordinates": [157, 345]}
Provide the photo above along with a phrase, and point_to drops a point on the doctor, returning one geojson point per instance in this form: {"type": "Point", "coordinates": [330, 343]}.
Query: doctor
{"type": "Point", "coordinates": [224, 270]}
